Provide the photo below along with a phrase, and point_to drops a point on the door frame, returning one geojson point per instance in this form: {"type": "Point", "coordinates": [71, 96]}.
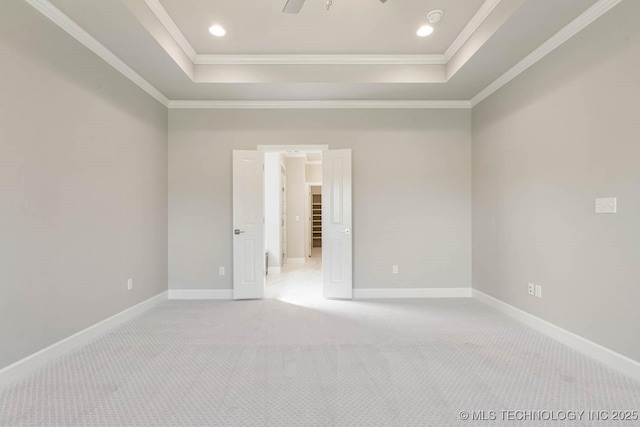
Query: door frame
{"type": "Point", "coordinates": [293, 149]}
{"type": "Point", "coordinates": [298, 149]}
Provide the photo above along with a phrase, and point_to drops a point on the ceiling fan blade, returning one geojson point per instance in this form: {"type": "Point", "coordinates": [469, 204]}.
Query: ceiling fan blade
{"type": "Point", "coordinates": [293, 6]}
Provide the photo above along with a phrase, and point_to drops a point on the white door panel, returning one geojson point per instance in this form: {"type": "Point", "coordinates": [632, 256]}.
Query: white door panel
{"type": "Point", "coordinates": [337, 243]}
{"type": "Point", "coordinates": [248, 225]}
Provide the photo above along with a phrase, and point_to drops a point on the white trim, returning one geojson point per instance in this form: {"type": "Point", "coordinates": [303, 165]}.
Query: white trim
{"type": "Point", "coordinates": [574, 27]}
{"type": "Point", "coordinates": [259, 105]}
{"type": "Point", "coordinates": [578, 24]}
{"type": "Point", "coordinates": [472, 26]}
{"type": "Point", "coordinates": [275, 270]}
{"type": "Point", "coordinates": [68, 25]}
{"type": "Point", "coordinates": [287, 148]}
{"type": "Point", "coordinates": [164, 17]}
{"type": "Point", "coordinates": [319, 59]}
{"type": "Point", "coordinates": [287, 59]}
{"type": "Point", "coordinates": [602, 354]}
{"type": "Point", "coordinates": [199, 294]}
{"type": "Point", "coordinates": [29, 364]}
{"type": "Point", "coordinates": [295, 260]}
{"type": "Point", "coordinates": [412, 293]}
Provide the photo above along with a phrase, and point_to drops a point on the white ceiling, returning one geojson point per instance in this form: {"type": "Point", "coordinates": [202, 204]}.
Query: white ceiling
{"type": "Point", "coordinates": [361, 52]}
{"type": "Point", "coordinates": [351, 26]}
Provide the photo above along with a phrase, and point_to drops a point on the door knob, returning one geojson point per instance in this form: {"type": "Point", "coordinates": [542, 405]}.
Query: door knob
{"type": "Point", "coordinates": [238, 231]}
{"type": "Point", "coordinates": [347, 231]}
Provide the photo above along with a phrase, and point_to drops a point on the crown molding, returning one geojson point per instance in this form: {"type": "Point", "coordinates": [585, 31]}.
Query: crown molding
{"type": "Point", "coordinates": [472, 26]}
{"type": "Point", "coordinates": [293, 105]}
{"type": "Point", "coordinates": [574, 27]}
{"type": "Point", "coordinates": [67, 24]}
{"type": "Point", "coordinates": [166, 20]}
{"type": "Point", "coordinates": [319, 59]}
{"type": "Point", "coordinates": [73, 29]}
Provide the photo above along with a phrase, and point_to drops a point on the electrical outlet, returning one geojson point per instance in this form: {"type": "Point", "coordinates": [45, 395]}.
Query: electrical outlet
{"type": "Point", "coordinates": [607, 205]}
{"type": "Point", "coordinates": [394, 269]}
{"type": "Point", "coordinates": [221, 271]}
{"type": "Point", "coordinates": [129, 284]}
{"type": "Point", "coordinates": [532, 288]}
{"type": "Point", "coordinates": [538, 291]}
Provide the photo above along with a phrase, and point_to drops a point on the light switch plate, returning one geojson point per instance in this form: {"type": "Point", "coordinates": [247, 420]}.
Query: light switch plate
{"type": "Point", "coordinates": [607, 205]}
{"type": "Point", "coordinates": [539, 291]}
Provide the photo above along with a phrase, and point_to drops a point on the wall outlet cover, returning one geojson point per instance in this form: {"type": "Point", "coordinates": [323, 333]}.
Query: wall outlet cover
{"type": "Point", "coordinates": [607, 205]}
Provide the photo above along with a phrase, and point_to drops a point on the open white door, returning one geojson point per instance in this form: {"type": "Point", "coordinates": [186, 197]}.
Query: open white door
{"type": "Point", "coordinates": [336, 225]}
{"type": "Point", "coordinates": [248, 226]}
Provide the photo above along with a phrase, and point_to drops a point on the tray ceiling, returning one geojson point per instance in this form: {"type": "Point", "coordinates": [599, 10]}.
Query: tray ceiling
{"type": "Point", "coordinates": [360, 53]}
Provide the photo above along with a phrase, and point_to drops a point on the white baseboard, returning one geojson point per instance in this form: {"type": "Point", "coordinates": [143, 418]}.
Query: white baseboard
{"type": "Point", "coordinates": [275, 270]}
{"type": "Point", "coordinates": [196, 294]}
{"type": "Point", "coordinates": [412, 293]}
{"type": "Point", "coordinates": [295, 260]}
{"type": "Point", "coordinates": [29, 364]}
{"type": "Point", "coordinates": [617, 361]}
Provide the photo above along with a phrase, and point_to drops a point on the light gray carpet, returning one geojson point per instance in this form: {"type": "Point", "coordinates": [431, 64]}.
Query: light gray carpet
{"type": "Point", "coordinates": [318, 363]}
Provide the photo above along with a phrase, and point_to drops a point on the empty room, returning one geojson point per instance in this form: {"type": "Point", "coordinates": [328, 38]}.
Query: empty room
{"type": "Point", "coordinates": [319, 213]}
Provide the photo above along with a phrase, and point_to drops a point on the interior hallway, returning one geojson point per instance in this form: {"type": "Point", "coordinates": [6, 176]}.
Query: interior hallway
{"type": "Point", "coordinates": [297, 281]}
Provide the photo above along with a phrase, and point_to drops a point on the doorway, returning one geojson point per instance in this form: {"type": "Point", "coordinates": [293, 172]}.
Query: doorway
{"type": "Point", "coordinates": [293, 224]}
{"type": "Point", "coordinates": [252, 258]}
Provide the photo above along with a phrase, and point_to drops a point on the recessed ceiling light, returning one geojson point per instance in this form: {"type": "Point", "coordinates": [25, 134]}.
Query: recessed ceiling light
{"type": "Point", "coordinates": [217, 31]}
{"type": "Point", "coordinates": [425, 30]}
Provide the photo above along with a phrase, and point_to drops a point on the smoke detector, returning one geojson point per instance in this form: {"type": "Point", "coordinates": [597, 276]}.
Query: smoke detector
{"type": "Point", "coordinates": [435, 16]}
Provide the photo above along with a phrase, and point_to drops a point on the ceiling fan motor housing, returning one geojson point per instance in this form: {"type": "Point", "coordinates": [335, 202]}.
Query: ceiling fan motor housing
{"type": "Point", "coordinates": [294, 6]}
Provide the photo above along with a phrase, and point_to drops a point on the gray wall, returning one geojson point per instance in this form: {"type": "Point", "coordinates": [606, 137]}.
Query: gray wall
{"type": "Point", "coordinates": [563, 133]}
{"type": "Point", "coordinates": [83, 187]}
{"type": "Point", "coordinates": [296, 202]}
{"type": "Point", "coordinates": [411, 186]}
